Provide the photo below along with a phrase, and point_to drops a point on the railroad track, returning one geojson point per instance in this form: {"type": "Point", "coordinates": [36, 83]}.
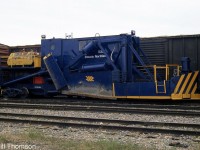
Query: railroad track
{"type": "Point", "coordinates": [113, 104]}
{"type": "Point", "coordinates": [112, 109]}
{"type": "Point", "coordinates": [140, 126]}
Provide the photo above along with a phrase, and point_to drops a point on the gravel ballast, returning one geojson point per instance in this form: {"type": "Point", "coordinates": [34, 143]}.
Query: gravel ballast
{"type": "Point", "coordinates": [120, 116]}
{"type": "Point", "coordinates": [150, 140]}
{"type": "Point", "coordinates": [153, 140]}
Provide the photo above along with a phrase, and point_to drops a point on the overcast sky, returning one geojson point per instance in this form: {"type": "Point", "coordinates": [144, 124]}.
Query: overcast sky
{"type": "Point", "coordinates": [24, 21]}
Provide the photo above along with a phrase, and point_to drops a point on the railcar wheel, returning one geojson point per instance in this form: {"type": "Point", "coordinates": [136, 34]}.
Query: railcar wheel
{"type": "Point", "coordinates": [10, 93]}
{"type": "Point", "coordinates": [4, 94]}
{"type": "Point", "coordinates": [24, 93]}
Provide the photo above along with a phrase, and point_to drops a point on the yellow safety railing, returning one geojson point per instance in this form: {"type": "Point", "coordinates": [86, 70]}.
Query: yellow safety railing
{"type": "Point", "coordinates": [167, 70]}
{"type": "Point", "coordinates": [167, 74]}
{"type": "Point", "coordinates": [155, 78]}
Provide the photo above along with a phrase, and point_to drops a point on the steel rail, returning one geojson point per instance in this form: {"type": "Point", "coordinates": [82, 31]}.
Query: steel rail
{"type": "Point", "coordinates": [100, 126]}
{"type": "Point", "coordinates": [124, 122]}
{"type": "Point", "coordinates": [89, 108]}
{"type": "Point", "coordinates": [102, 109]}
{"type": "Point", "coordinates": [181, 107]}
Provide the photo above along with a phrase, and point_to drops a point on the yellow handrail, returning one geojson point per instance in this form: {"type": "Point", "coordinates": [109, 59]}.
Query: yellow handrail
{"type": "Point", "coordinates": [167, 67]}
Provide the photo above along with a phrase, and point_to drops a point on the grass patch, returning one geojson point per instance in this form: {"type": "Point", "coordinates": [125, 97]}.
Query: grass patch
{"type": "Point", "coordinates": [36, 137]}
{"type": "Point", "coordinates": [99, 145]}
{"type": "Point", "coordinates": [3, 139]}
{"type": "Point", "coordinates": [63, 144]}
{"type": "Point", "coordinates": [33, 134]}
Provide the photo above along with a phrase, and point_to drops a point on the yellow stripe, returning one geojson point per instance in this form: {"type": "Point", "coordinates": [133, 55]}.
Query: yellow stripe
{"type": "Point", "coordinates": [156, 87]}
{"type": "Point", "coordinates": [195, 96]}
{"type": "Point", "coordinates": [133, 97]}
{"type": "Point", "coordinates": [179, 83]}
{"type": "Point", "coordinates": [155, 97]}
{"type": "Point", "coordinates": [119, 96]}
{"type": "Point", "coordinates": [148, 97]}
{"type": "Point", "coordinates": [185, 83]}
{"type": "Point", "coordinates": [165, 90]}
{"type": "Point", "coordinates": [177, 96]}
{"type": "Point", "coordinates": [192, 82]}
{"type": "Point", "coordinates": [194, 89]}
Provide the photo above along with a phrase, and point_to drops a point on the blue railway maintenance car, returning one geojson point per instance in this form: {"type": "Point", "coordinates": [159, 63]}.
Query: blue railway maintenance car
{"type": "Point", "coordinates": [101, 67]}
{"type": "Point", "coordinates": [115, 67]}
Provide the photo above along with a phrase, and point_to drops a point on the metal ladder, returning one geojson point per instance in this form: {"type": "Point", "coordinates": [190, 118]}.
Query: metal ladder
{"type": "Point", "coordinates": [160, 85]}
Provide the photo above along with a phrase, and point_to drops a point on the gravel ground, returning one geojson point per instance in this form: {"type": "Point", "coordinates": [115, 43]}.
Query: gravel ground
{"type": "Point", "coordinates": [155, 141]}
{"type": "Point", "coordinates": [121, 116]}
